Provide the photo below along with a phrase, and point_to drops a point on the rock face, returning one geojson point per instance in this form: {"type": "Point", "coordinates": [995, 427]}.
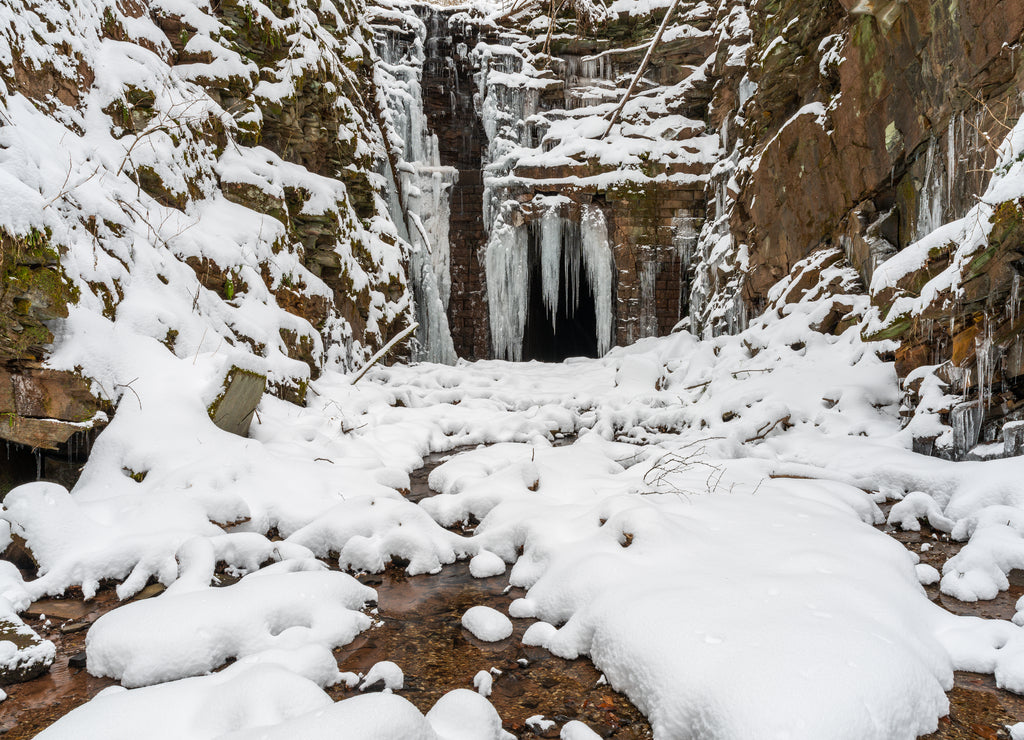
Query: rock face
{"type": "Point", "coordinates": [228, 158]}
{"type": "Point", "coordinates": [352, 168]}
{"type": "Point", "coordinates": [860, 128]}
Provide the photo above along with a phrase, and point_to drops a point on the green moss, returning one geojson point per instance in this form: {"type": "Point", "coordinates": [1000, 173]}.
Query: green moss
{"type": "Point", "coordinates": [894, 329]}
{"type": "Point", "coordinates": [864, 37]}
{"type": "Point", "coordinates": [137, 476]}
{"type": "Point", "coordinates": [170, 339]}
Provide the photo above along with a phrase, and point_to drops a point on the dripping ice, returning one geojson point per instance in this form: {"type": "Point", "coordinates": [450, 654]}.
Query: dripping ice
{"type": "Point", "coordinates": [561, 241]}
{"type": "Point", "coordinates": [419, 201]}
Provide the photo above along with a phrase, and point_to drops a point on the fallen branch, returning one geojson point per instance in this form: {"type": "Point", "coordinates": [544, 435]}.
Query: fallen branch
{"type": "Point", "coordinates": [763, 432]}
{"type": "Point", "coordinates": [642, 69]}
{"type": "Point", "coordinates": [384, 350]}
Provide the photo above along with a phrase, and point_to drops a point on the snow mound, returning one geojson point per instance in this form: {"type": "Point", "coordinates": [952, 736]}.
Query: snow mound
{"type": "Point", "coordinates": [466, 715]}
{"type": "Point", "coordinates": [200, 708]}
{"type": "Point", "coordinates": [576, 730]}
{"type": "Point", "coordinates": [483, 681]}
{"type": "Point", "coordinates": [385, 671]}
{"type": "Point", "coordinates": [486, 564]}
{"type": "Point", "coordinates": [487, 624]}
{"type": "Point", "coordinates": [184, 634]}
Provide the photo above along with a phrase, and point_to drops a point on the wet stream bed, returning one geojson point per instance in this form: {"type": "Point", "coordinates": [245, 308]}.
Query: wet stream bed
{"type": "Point", "coordinates": [419, 628]}
{"type": "Point", "coordinates": [423, 634]}
{"type": "Point", "coordinates": [977, 707]}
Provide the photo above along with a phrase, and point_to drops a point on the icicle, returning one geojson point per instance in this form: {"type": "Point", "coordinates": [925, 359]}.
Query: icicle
{"type": "Point", "coordinates": [423, 218]}
{"type": "Point", "coordinates": [951, 156]}
{"type": "Point", "coordinates": [648, 314]}
{"type": "Point", "coordinates": [506, 266]}
{"type": "Point", "coordinates": [39, 463]}
{"type": "Point", "coordinates": [1014, 303]}
{"type": "Point", "coordinates": [600, 268]}
{"type": "Point", "coordinates": [986, 366]}
{"type": "Point", "coordinates": [551, 260]}
{"type": "Point", "coordinates": [684, 238]}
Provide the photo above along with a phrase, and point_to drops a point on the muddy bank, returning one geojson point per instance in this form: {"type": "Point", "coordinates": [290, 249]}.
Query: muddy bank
{"type": "Point", "coordinates": [33, 706]}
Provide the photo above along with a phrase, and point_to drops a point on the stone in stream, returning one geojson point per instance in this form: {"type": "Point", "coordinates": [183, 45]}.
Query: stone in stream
{"type": "Point", "coordinates": [24, 655]}
{"type": "Point", "coordinates": [486, 564]}
{"type": "Point", "coordinates": [58, 608]}
{"type": "Point", "coordinates": [383, 675]}
{"type": "Point", "coordinates": [487, 624]}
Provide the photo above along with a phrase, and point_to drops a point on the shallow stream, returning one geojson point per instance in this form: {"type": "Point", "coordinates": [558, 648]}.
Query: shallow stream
{"type": "Point", "coordinates": [420, 630]}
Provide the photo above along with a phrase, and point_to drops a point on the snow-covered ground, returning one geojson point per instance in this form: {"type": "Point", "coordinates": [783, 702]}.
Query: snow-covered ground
{"type": "Point", "coordinates": [706, 540]}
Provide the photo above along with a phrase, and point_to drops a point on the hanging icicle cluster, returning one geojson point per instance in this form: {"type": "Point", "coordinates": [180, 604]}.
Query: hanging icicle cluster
{"type": "Point", "coordinates": [579, 248]}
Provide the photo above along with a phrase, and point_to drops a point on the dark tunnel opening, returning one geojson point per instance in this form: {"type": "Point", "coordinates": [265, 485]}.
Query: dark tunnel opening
{"type": "Point", "coordinates": [574, 330]}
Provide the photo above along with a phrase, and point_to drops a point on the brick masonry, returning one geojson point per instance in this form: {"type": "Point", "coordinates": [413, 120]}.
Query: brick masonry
{"type": "Point", "coordinates": [448, 89]}
{"type": "Point", "coordinates": [643, 225]}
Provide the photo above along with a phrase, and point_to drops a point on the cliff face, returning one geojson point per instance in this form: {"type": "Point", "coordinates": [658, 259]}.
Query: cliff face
{"type": "Point", "coordinates": [760, 133]}
{"type": "Point", "coordinates": [883, 129]}
{"type": "Point", "coordinates": [203, 175]}
{"type": "Point", "coordinates": [296, 182]}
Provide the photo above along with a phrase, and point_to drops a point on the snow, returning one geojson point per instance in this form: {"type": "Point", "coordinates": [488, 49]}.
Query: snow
{"type": "Point", "coordinates": [486, 564]}
{"type": "Point", "coordinates": [387, 672]}
{"type": "Point", "coordinates": [707, 535]}
{"type": "Point", "coordinates": [710, 528]}
{"type": "Point", "coordinates": [482, 682]}
{"type": "Point", "coordinates": [538, 724]}
{"type": "Point", "coordinates": [466, 715]}
{"type": "Point", "coordinates": [576, 730]}
{"type": "Point", "coordinates": [487, 624]}
{"type": "Point", "coordinates": [177, 634]}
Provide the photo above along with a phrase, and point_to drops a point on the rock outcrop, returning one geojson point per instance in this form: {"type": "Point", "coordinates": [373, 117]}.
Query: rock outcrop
{"type": "Point", "coordinates": [202, 158]}
{"type": "Point", "coordinates": [355, 169]}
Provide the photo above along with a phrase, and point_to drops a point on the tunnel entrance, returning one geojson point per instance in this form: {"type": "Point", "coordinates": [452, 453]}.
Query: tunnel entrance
{"type": "Point", "coordinates": [573, 331]}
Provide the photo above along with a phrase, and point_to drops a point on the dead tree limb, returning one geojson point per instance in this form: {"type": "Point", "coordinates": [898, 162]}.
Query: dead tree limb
{"type": "Point", "coordinates": [384, 350]}
{"type": "Point", "coordinates": [643, 68]}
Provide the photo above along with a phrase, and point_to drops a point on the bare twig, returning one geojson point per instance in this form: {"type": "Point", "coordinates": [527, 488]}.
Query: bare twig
{"type": "Point", "coordinates": [765, 429]}
{"type": "Point", "coordinates": [128, 385]}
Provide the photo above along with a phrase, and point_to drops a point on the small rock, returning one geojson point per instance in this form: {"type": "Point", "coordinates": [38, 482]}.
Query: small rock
{"type": "Point", "coordinates": [24, 655]}
{"type": "Point", "coordinates": [487, 624]}
{"type": "Point", "coordinates": [78, 660]}
{"type": "Point", "coordinates": [383, 675]}
{"type": "Point", "coordinates": [59, 608]}
{"type": "Point", "coordinates": [69, 627]}
{"type": "Point", "coordinates": [486, 564]}
{"type": "Point", "coordinates": [153, 589]}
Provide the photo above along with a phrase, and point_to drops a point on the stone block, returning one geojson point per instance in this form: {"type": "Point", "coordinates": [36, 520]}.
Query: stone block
{"type": "Point", "coordinates": [233, 409]}
{"type": "Point", "coordinates": [1013, 439]}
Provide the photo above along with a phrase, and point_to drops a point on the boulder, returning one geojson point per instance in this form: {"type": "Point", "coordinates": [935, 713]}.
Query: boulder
{"type": "Point", "coordinates": [24, 655]}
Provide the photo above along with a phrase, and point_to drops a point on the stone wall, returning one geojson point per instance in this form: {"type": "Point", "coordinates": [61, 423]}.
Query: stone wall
{"type": "Point", "coordinates": [448, 92]}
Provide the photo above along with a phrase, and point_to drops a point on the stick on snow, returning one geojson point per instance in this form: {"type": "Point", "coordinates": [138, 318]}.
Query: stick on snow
{"type": "Point", "coordinates": [384, 350]}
